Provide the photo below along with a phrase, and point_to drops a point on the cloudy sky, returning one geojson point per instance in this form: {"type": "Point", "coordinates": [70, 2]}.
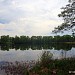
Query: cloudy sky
{"type": "Point", "coordinates": [29, 17]}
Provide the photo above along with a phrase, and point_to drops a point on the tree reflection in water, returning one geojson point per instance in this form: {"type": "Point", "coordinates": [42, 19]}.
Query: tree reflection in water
{"type": "Point", "coordinates": [37, 47]}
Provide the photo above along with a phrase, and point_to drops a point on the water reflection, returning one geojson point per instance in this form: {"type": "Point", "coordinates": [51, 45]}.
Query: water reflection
{"type": "Point", "coordinates": [37, 47]}
{"type": "Point", "coordinates": [22, 52]}
{"type": "Point", "coordinates": [19, 55]}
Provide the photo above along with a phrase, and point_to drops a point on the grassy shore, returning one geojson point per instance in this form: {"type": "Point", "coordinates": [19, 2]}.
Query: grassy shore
{"type": "Point", "coordinates": [48, 66]}
{"type": "Point", "coordinates": [45, 66]}
{"type": "Point", "coordinates": [69, 42]}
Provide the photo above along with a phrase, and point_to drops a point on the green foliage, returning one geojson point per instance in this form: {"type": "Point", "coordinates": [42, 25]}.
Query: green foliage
{"type": "Point", "coordinates": [45, 58]}
{"type": "Point", "coordinates": [68, 16]}
{"type": "Point", "coordinates": [37, 42]}
{"type": "Point", "coordinates": [61, 67]}
{"type": "Point", "coordinates": [48, 66]}
{"type": "Point", "coordinates": [5, 39]}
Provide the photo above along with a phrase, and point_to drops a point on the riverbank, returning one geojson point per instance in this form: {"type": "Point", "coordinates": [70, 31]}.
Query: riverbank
{"type": "Point", "coordinates": [69, 42]}
{"type": "Point", "coordinates": [51, 67]}
{"type": "Point", "coordinates": [44, 66]}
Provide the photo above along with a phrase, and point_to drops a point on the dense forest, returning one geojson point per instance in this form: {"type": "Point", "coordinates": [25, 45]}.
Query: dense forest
{"type": "Point", "coordinates": [5, 39]}
{"type": "Point", "coordinates": [65, 42]}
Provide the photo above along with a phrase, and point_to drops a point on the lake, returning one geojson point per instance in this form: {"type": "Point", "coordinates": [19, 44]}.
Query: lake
{"type": "Point", "coordinates": [27, 53]}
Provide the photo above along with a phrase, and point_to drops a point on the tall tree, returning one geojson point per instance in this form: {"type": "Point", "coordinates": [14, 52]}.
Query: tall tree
{"type": "Point", "coordinates": [68, 15]}
{"type": "Point", "coordinates": [5, 39]}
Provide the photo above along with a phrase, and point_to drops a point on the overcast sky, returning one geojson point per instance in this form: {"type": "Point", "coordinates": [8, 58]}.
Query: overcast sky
{"type": "Point", "coordinates": [29, 17]}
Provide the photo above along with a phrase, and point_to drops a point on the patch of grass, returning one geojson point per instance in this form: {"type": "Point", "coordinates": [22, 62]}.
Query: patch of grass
{"type": "Point", "coordinates": [48, 66]}
{"type": "Point", "coordinates": [45, 66]}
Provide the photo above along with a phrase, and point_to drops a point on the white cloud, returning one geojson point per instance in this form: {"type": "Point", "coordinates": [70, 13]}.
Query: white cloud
{"type": "Point", "coordinates": [29, 17]}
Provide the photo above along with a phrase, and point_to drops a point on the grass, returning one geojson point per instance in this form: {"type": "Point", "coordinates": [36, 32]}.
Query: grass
{"type": "Point", "coordinates": [45, 66]}
{"type": "Point", "coordinates": [48, 66]}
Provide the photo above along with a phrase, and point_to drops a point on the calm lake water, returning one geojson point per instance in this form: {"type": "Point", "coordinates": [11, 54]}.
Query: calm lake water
{"type": "Point", "coordinates": [12, 55]}
{"type": "Point", "coordinates": [28, 53]}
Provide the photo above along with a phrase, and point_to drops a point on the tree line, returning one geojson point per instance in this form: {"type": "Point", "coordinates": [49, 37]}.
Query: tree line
{"type": "Point", "coordinates": [6, 39]}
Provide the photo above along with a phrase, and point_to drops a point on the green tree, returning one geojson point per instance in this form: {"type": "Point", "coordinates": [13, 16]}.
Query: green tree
{"type": "Point", "coordinates": [16, 40]}
{"type": "Point", "coordinates": [0, 40]}
{"type": "Point", "coordinates": [39, 39]}
{"type": "Point", "coordinates": [5, 39]}
{"type": "Point", "coordinates": [68, 15]}
{"type": "Point", "coordinates": [33, 39]}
